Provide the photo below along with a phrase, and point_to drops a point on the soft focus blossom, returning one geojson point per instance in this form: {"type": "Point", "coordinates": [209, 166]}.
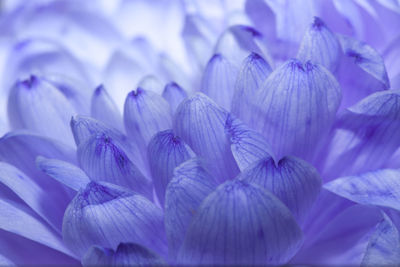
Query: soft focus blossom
{"type": "Point", "coordinates": [183, 132]}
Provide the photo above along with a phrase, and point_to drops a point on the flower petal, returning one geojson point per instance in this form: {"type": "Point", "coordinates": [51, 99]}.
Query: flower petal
{"type": "Point", "coordinates": [64, 172]}
{"type": "Point", "coordinates": [241, 224]}
{"type": "Point", "coordinates": [247, 145]}
{"type": "Point", "coordinates": [145, 114]}
{"type": "Point", "coordinates": [33, 195]}
{"type": "Point", "coordinates": [127, 254]}
{"type": "Point", "coordinates": [253, 73]}
{"type": "Point", "coordinates": [362, 71]}
{"type": "Point", "coordinates": [218, 80]}
{"type": "Point", "coordinates": [349, 229]}
{"type": "Point", "coordinates": [85, 127]}
{"type": "Point", "coordinates": [21, 149]}
{"type": "Point", "coordinates": [319, 45]}
{"type": "Point", "coordinates": [36, 105]}
{"type": "Point", "coordinates": [296, 107]}
{"type": "Point", "coordinates": [200, 123]}
{"type": "Point", "coordinates": [238, 41]}
{"type": "Point", "coordinates": [102, 158]}
{"type": "Point", "coordinates": [165, 152]}
{"type": "Point", "coordinates": [174, 94]}
{"type": "Point", "coordinates": [190, 185]}
{"type": "Point", "coordinates": [21, 221]}
{"type": "Point", "coordinates": [384, 245]}
{"type": "Point", "coordinates": [104, 109]}
{"type": "Point", "coordinates": [372, 188]}
{"type": "Point", "coordinates": [363, 135]}
{"type": "Point", "coordinates": [98, 256]}
{"type": "Point", "coordinates": [295, 182]}
{"type": "Point", "coordinates": [106, 215]}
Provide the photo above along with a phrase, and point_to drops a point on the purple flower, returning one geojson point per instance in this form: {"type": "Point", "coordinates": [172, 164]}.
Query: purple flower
{"type": "Point", "coordinates": [153, 133]}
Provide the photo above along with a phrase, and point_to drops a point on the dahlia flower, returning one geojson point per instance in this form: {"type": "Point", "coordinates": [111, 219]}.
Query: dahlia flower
{"type": "Point", "coordinates": [184, 132]}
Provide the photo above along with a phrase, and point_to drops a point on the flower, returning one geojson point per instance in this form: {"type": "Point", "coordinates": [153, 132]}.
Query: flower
{"type": "Point", "coordinates": [257, 132]}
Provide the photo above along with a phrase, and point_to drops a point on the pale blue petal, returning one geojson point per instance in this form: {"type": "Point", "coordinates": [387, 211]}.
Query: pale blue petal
{"type": "Point", "coordinates": [201, 124]}
{"type": "Point", "coordinates": [145, 114]}
{"type": "Point", "coordinates": [130, 254]}
{"type": "Point", "coordinates": [85, 127]}
{"type": "Point", "coordinates": [64, 172]}
{"type": "Point", "coordinates": [103, 159]}
{"type": "Point", "coordinates": [262, 16]}
{"type": "Point", "coordinates": [121, 74]}
{"type": "Point", "coordinates": [172, 71]}
{"type": "Point", "coordinates": [165, 152]}
{"type": "Point", "coordinates": [105, 215]}
{"type": "Point", "coordinates": [295, 182]}
{"type": "Point", "coordinates": [32, 194]}
{"type": "Point", "coordinates": [19, 220]}
{"type": "Point", "coordinates": [241, 224]}
{"type": "Point", "coordinates": [190, 185]}
{"type": "Point", "coordinates": [384, 245]}
{"type": "Point", "coordinates": [104, 109]}
{"type": "Point", "coordinates": [238, 41]}
{"type": "Point", "coordinates": [174, 94]}
{"type": "Point", "coordinates": [98, 256]}
{"type": "Point", "coordinates": [253, 73]}
{"type": "Point", "coordinates": [151, 83]}
{"type": "Point", "coordinates": [21, 150]}
{"type": "Point", "coordinates": [199, 37]}
{"type": "Point", "coordinates": [247, 145]}
{"type": "Point", "coordinates": [37, 105]}
{"type": "Point", "coordinates": [362, 71]}
{"type": "Point", "coordinates": [364, 135]}
{"type": "Point", "coordinates": [343, 239]}
{"type": "Point", "coordinates": [219, 80]}
{"type": "Point", "coordinates": [320, 45]}
{"type": "Point", "coordinates": [378, 187]}
{"type": "Point", "coordinates": [127, 254]}
{"type": "Point", "coordinates": [296, 106]}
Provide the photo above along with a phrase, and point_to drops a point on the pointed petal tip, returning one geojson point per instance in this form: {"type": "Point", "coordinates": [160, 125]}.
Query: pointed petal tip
{"type": "Point", "coordinates": [317, 24]}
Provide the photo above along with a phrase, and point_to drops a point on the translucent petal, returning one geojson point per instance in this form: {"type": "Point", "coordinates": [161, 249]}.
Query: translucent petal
{"type": "Point", "coordinates": [296, 107]}
{"type": "Point", "coordinates": [104, 109]}
{"type": "Point", "coordinates": [295, 182]}
{"type": "Point", "coordinates": [372, 188]}
{"type": "Point", "coordinates": [191, 183]}
{"type": "Point", "coordinates": [165, 152]}
{"type": "Point", "coordinates": [384, 245]}
{"type": "Point", "coordinates": [320, 45]}
{"type": "Point", "coordinates": [36, 105]}
{"type": "Point", "coordinates": [102, 158]}
{"type": "Point", "coordinates": [343, 239]}
{"type": "Point", "coordinates": [362, 71]}
{"type": "Point", "coordinates": [247, 145]}
{"type": "Point", "coordinates": [363, 135]}
{"type": "Point", "coordinates": [199, 37]}
{"type": "Point", "coordinates": [30, 193]}
{"type": "Point", "coordinates": [21, 221]}
{"type": "Point", "coordinates": [145, 114]}
{"type": "Point", "coordinates": [64, 172]}
{"type": "Point", "coordinates": [174, 94]}
{"type": "Point", "coordinates": [219, 80]}
{"type": "Point", "coordinates": [105, 215]}
{"type": "Point", "coordinates": [253, 73]}
{"type": "Point", "coordinates": [21, 150]}
{"type": "Point", "coordinates": [200, 123]}
{"type": "Point", "coordinates": [238, 41]}
{"type": "Point", "coordinates": [98, 256]}
{"type": "Point", "coordinates": [127, 254]}
{"type": "Point", "coordinates": [240, 224]}
{"type": "Point", "coordinates": [151, 83]}
{"type": "Point", "coordinates": [85, 127]}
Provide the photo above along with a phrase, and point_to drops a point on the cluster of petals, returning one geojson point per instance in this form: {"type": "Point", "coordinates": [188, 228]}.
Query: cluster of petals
{"type": "Point", "coordinates": [184, 132]}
